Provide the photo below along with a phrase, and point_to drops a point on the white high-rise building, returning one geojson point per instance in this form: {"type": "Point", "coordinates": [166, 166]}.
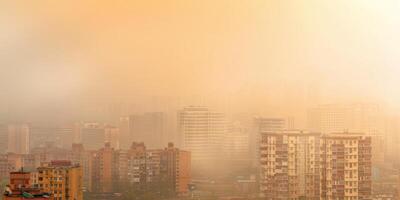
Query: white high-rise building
{"type": "Point", "coordinates": [202, 132]}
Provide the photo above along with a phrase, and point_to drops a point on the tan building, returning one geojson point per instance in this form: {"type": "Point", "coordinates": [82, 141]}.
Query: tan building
{"type": "Point", "coordinates": [237, 148]}
{"type": "Point", "coordinates": [21, 187]}
{"type": "Point", "coordinates": [78, 156]}
{"type": "Point", "coordinates": [112, 135]}
{"type": "Point", "coordinates": [62, 179]}
{"type": "Point", "coordinates": [149, 128]}
{"type": "Point", "coordinates": [359, 118]}
{"type": "Point", "coordinates": [137, 164]}
{"type": "Point", "coordinates": [289, 165]}
{"type": "Point", "coordinates": [345, 166]}
{"type": "Point", "coordinates": [263, 125]}
{"type": "Point", "coordinates": [296, 164]}
{"type": "Point", "coordinates": [175, 169]}
{"type": "Point", "coordinates": [102, 170]}
{"type": "Point", "coordinates": [18, 138]}
{"type": "Point", "coordinates": [92, 135]}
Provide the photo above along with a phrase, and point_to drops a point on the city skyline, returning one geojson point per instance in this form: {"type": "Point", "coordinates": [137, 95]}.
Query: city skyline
{"type": "Point", "coordinates": [206, 100]}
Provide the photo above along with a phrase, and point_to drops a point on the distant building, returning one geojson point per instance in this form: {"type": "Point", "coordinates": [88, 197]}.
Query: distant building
{"type": "Point", "coordinates": [18, 138]}
{"type": "Point", "coordinates": [62, 179]}
{"type": "Point", "coordinates": [3, 138]}
{"type": "Point", "coordinates": [112, 136]}
{"type": "Point", "coordinates": [78, 156]}
{"type": "Point", "coordinates": [92, 135]}
{"type": "Point", "coordinates": [125, 128]}
{"type": "Point", "coordinates": [237, 147]}
{"type": "Point", "coordinates": [203, 132]}
{"type": "Point", "coordinates": [149, 128]}
{"type": "Point", "coordinates": [359, 118]}
{"type": "Point", "coordinates": [61, 135]}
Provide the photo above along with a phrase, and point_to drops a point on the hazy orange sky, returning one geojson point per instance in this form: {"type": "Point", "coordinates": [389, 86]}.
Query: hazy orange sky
{"type": "Point", "coordinates": [251, 54]}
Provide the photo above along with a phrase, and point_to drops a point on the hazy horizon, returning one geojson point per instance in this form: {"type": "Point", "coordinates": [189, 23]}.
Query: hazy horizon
{"type": "Point", "coordinates": [266, 57]}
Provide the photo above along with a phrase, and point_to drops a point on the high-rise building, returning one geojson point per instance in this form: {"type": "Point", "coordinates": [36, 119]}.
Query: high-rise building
{"type": "Point", "coordinates": [143, 164]}
{"type": "Point", "coordinates": [202, 132]}
{"type": "Point", "coordinates": [3, 138]}
{"type": "Point", "coordinates": [153, 164]}
{"type": "Point", "coordinates": [64, 135]}
{"type": "Point", "coordinates": [102, 168]}
{"type": "Point", "coordinates": [112, 136]}
{"type": "Point", "coordinates": [149, 128]}
{"type": "Point", "coordinates": [121, 167]}
{"type": "Point", "coordinates": [262, 125]}
{"type": "Point", "coordinates": [62, 179]}
{"type": "Point", "coordinates": [124, 126]}
{"type": "Point", "coordinates": [237, 147]}
{"type": "Point", "coordinates": [18, 138]}
{"type": "Point", "coordinates": [289, 165]}
{"type": "Point", "coordinates": [61, 135]}
{"type": "Point", "coordinates": [299, 165]}
{"type": "Point", "coordinates": [137, 164]}
{"type": "Point", "coordinates": [175, 169]}
{"type": "Point", "coordinates": [358, 118]}
{"type": "Point", "coordinates": [92, 136]}
{"type": "Point", "coordinates": [355, 118]}
{"type": "Point", "coordinates": [78, 156]}
{"type": "Point", "coordinates": [346, 166]}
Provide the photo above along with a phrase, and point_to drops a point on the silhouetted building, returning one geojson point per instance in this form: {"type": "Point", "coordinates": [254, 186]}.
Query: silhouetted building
{"type": "Point", "coordinates": [112, 136]}
{"type": "Point", "coordinates": [3, 138]}
{"type": "Point", "coordinates": [149, 128]}
{"type": "Point", "coordinates": [18, 138]}
{"type": "Point", "coordinates": [92, 135]}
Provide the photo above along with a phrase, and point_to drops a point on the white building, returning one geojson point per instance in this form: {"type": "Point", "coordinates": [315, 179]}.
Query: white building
{"type": "Point", "coordinates": [202, 132]}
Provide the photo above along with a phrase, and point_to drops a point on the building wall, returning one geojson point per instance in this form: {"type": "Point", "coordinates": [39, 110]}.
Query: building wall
{"type": "Point", "coordinates": [63, 180]}
{"type": "Point", "coordinates": [313, 166]}
{"type": "Point", "coordinates": [18, 138]}
{"type": "Point", "coordinates": [346, 167]}
{"type": "Point", "coordinates": [203, 132]}
{"type": "Point", "coordinates": [176, 169]}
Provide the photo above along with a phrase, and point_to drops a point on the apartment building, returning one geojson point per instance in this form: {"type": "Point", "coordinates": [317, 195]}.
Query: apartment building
{"type": "Point", "coordinates": [302, 165]}
{"type": "Point", "coordinates": [62, 179]}
{"type": "Point", "coordinates": [345, 166]}
{"type": "Point", "coordinates": [175, 169]}
{"type": "Point", "coordinates": [289, 165]}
